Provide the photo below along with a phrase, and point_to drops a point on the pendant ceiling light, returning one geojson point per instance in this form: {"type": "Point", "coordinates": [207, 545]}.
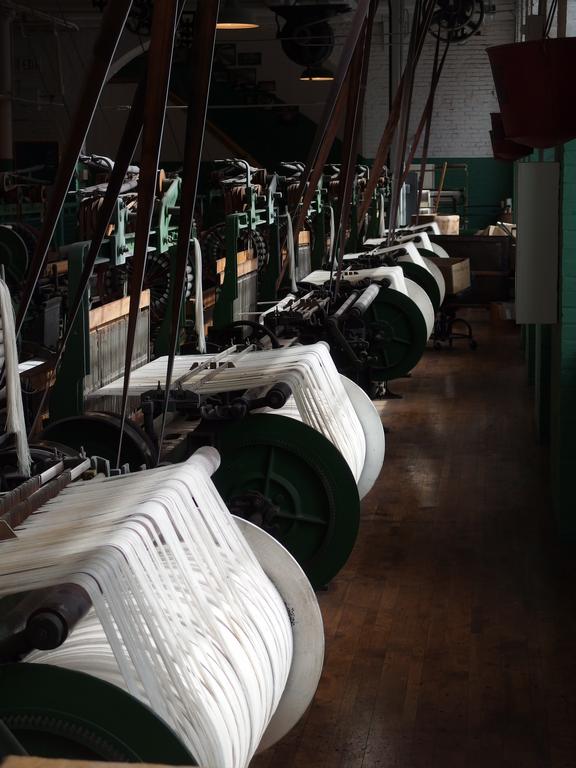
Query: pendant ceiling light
{"type": "Point", "coordinates": [316, 74]}
{"type": "Point", "coordinates": [234, 16]}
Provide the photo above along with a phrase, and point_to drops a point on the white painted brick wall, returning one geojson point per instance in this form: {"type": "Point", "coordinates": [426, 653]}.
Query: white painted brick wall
{"type": "Point", "coordinates": [465, 96]}
{"type": "Point", "coordinates": [571, 19]}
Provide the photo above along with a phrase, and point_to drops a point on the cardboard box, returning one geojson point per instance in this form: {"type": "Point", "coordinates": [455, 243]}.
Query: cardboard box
{"type": "Point", "coordinates": [449, 225]}
{"type": "Point", "coordinates": [456, 273]}
{"type": "Point", "coordinates": [495, 230]}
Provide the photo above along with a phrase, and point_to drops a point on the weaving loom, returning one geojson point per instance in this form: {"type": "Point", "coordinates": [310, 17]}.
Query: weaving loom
{"type": "Point", "coordinates": [377, 325]}
{"type": "Point", "coordinates": [326, 434]}
{"type": "Point", "coordinates": [183, 617]}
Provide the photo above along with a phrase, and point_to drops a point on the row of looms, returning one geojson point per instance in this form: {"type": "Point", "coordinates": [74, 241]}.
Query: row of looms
{"type": "Point", "coordinates": [190, 357]}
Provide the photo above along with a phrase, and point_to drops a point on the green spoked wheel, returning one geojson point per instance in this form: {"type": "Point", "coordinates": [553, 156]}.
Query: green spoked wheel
{"type": "Point", "coordinates": [295, 484]}
{"type": "Point", "coordinates": [99, 435]}
{"type": "Point", "coordinates": [60, 713]}
{"type": "Point", "coordinates": [397, 334]}
{"type": "Point", "coordinates": [424, 278]}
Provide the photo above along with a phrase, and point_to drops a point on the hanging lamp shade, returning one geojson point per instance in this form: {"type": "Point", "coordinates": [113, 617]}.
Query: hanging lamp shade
{"type": "Point", "coordinates": [534, 83]}
{"type": "Point", "coordinates": [317, 74]}
{"type": "Point", "coordinates": [503, 148]}
{"type": "Point", "coordinates": [235, 16]}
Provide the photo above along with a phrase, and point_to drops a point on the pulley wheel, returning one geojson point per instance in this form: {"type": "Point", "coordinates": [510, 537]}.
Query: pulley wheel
{"type": "Point", "coordinates": [99, 435]}
{"type": "Point", "coordinates": [43, 454]}
{"type": "Point", "coordinates": [301, 482]}
{"type": "Point", "coordinates": [397, 334]}
{"type": "Point", "coordinates": [60, 713]}
{"type": "Point", "coordinates": [424, 278]}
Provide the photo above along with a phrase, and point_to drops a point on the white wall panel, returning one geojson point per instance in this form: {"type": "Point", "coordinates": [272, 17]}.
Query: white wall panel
{"type": "Point", "coordinates": [537, 217]}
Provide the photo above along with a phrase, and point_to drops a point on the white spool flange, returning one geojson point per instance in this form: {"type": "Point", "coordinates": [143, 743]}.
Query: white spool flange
{"type": "Point", "coordinates": [422, 301]}
{"type": "Point", "coordinates": [371, 423]}
{"type": "Point", "coordinates": [438, 276]}
{"type": "Point", "coordinates": [307, 629]}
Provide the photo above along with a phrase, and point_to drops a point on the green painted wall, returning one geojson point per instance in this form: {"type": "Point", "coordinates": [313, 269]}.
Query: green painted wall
{"type": "Point", "coordinates": [563, 403]}
{"type": "Point", "coordinates": [486, 182]}
{"type": "Point", "coordinates": [551, 355]}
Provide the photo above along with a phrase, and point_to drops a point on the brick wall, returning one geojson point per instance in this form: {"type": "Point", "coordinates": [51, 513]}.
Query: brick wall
{"type": "Point", "coordinates": [465, 95]}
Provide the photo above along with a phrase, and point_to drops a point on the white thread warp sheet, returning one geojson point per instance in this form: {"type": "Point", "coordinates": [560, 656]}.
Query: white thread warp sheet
{"type": "Point", "coordinates": [15, 420]}
{"type": "Point", "coordinates": [319, 394]}
{"type": "Point", "coordinates": [291, 251]}
{"type": "Point", "coordinates": [198, 297]}
{"type": "Point", "coordinates": [183, 616]}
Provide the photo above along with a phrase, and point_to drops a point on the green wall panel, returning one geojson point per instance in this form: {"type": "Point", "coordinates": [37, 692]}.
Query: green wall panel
{"type": "Point", "coordinates": [486, 182]}
{"type": "Point", "coordinates": [563, 409]}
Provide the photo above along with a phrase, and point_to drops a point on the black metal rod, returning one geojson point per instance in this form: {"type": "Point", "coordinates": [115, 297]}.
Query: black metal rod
{"type": "Point", "coordinates": [366, 300]}
{"type": "Point", "coordinates": [343, 308]}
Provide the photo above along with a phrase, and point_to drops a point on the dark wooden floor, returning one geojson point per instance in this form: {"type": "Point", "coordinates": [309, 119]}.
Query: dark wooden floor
{"type": "Point", "coordinates": [451, 633]}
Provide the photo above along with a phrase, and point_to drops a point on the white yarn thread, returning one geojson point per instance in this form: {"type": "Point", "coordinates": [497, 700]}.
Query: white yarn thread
{"type": "Point", "coordinates": [15, 420]}
{"type": "Point", "coordinates": [332, 233]}
{"type": "Point", "coordinates": [199, 298]}
{"type": "Point", "coordinates": [291, 252]}
{"type": "Point", "coordinates": [382, 215]}
{"type": "Point", "coordinates": [184, 617]}
{"type": "Point", "coordinates": [319, 394]}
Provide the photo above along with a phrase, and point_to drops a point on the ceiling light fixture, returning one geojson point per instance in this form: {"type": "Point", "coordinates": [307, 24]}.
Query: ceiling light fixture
{"type": "Point", "coordinates": [234, 16]}
{"type": "Point", "coordinates": [316, 75]}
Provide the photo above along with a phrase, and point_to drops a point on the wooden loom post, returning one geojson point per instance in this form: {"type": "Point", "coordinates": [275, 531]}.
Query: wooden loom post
{"type": "Point", "coordinates": [389, 129]}
{"type": "Point", "coordinates": [356, 96]}
{"type": "Point", "coordinates": [202, 57]}
{"type": "Point", "coordinates": [440, 186]}
{"type": "Point", "coordinates": [327, 127]}
{"type": "Point", "coordinates": [426, 144]}
{"type": "Point", "coordinates": [164, 23]}
{"type": "Point", "coordinates": [127, 147]}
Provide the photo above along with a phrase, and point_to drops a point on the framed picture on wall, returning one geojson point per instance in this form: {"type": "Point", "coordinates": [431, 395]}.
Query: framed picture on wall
{"type": "Point", "coordinates": [249, 59]}
{"type": "Point", "coordinates": [224, 55]}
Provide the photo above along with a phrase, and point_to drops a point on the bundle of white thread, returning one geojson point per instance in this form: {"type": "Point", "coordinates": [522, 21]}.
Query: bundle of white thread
{"type": "Point", "coordinates": [15, 421]}
{"type": "Point", "coordinates": [183, 615]}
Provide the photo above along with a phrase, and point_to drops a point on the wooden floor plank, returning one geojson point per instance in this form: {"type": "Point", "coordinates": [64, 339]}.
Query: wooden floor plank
{"type": "Point", "coordinates": [451, 632]}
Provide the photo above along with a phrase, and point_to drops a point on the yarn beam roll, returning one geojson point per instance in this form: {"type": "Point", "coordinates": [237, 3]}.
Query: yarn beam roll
{"type": "Point", "coordinates": [320, 398]}
{"type": "Point", "coordinates": [184, 617]}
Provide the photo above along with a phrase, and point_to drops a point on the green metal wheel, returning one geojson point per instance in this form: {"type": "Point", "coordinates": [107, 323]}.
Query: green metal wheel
{"type": "Point", "coordinates": [99, 435]}
{"type": "Point", "coordinates": [397, 334]}
{"type": "Point", "coordinates": [59, 713]}
{"type": "Point", "coordinates": [424, 278]}
{"type": "Point", "coordinates": [295, 484]}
